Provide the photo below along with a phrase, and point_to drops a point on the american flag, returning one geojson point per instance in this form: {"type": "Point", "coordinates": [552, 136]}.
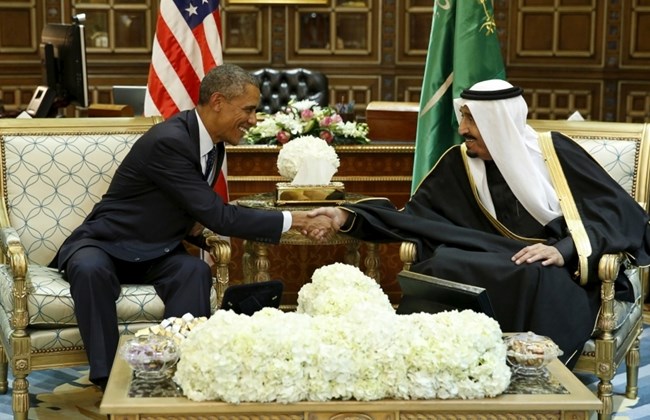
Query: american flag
{"type": "Point", "coordinates": [186, 46]}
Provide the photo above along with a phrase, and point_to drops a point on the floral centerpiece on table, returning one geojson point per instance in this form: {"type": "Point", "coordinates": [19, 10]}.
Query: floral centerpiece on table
{"type": "Point", "coordinates": [343, 342]}
{"type": "Point", "coordinates": [302, 118]}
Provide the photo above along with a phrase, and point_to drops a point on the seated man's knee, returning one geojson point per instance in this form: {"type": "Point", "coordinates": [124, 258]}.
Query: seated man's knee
{"type": "Point", "coordinates": [84, 271]}
{"type": "Point", "coordinates": [203, 273]}
{"type": "Point", "coordinates": [186, 270]}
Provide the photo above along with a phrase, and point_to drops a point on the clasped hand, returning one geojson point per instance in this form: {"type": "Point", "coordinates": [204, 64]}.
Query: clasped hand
{"type": "Point", "coordinates": [322, 223]}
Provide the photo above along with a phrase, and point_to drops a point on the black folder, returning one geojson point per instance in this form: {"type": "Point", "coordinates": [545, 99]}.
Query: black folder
{"type": "Point", "coordinates": [422, 293]}
{"type": "Point", "coordinates": [249, 298]}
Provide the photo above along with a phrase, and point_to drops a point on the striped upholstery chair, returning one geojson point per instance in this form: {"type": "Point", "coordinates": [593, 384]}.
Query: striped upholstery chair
{"type": "Point", "coordinates": [53, 172]}
{"type": "Point", "coordinates": [623, 149]}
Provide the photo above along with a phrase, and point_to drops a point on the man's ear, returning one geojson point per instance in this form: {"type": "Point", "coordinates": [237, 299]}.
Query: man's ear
{"type": "Point", "coordinates": [217, 101]}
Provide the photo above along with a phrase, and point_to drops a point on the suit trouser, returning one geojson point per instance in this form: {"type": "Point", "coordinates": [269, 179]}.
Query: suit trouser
{"type": "Point", "coordinates": [181, 280]}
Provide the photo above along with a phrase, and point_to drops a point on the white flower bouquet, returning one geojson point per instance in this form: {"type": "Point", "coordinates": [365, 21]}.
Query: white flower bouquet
{"type": "Point", "coordinates": [344, 342]}
{"type": "Point", "coordinates": [302, 151]}
{"type": "Point", "coordinates": [302, 118]}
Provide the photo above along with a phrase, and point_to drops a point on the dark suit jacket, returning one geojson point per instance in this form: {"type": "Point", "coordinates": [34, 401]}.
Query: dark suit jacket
{"type": "Point", "coordinates": [158, 193]}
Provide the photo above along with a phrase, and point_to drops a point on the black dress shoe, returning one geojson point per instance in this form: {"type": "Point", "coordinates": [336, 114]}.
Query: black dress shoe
{"type": "Point", "coordinates": [100, 382]}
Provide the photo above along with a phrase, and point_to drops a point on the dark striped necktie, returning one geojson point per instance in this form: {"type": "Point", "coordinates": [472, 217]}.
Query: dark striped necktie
{"type": "Point", "coordinates": [210, 162]}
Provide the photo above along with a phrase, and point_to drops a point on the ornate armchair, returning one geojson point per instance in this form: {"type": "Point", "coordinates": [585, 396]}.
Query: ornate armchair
{"type": "Point", "coordinates": [278, 87]}
{"type": "Point", "coordinates": [624, 151]}
{"type": "Point", "coordinates": [53, 171]}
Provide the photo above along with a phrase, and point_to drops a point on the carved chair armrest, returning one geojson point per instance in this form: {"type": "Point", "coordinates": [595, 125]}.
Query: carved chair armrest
{"type": "Point", "coordinates": [408, 254]}
{"type": "Point", "coordinates": [220, 251]}
{"type": "Point", "coordinates": [15, 257]}
{"type": "Point", "coordinates": [608, 269]}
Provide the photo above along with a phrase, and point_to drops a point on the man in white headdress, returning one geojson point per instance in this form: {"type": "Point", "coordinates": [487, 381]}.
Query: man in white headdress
{"type": "Point", "coordinates": [524, 215]}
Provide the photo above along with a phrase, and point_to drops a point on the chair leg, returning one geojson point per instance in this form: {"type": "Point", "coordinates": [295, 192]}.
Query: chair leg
{"type": "Point", "coordinates": [20, 366]}
{"type": "Point", "coordinates": [632, 361]}
{"type": "Point", "coordinates": [3, 371]}
{"type": "Point", "coordinates": [20, 397]}
{"type": "Point", "coordinates": [605, 393]}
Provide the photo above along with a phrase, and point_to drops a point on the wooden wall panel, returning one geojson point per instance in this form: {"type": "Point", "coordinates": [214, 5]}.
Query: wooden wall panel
{"type": "Point", "coordinates": [245, 37]}
{"type": "Point", "coordinates": [634, 101]}
{"type": "Point", "coordinates": [560, 99]}
{"type": "Point", "coordinates": [17, 34]}
{"type": "Point", "coordinates": [579, 55]}
{"type": "Point", "coordinates": [359, 89]}
{"type": "Point", "coordinates": [569, 32]}
{"type": "Point", "coordinates": [409, 88]}
{"type": "Point", "coordinates": [560, 49]}
{"type": "Point", "coordinates": [635, 45]}
{"type": "Point", "coordinates": [413, 45]}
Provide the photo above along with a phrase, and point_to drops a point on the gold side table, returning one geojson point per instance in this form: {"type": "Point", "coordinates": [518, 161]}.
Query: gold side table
{"type": "Point", "coordinates": [256, 263]}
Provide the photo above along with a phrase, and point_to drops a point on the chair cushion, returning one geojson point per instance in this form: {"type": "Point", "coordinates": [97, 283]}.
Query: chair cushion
{"type": "Point", "coordinates": [626, 314]}
{"type": "Point", "coordinates": [632, 315]}
{"type": "Point", "coordinates": [50, 304]}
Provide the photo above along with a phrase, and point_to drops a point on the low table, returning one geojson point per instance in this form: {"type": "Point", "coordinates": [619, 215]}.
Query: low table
{"type": "Point", "coordinates": [560, 395]}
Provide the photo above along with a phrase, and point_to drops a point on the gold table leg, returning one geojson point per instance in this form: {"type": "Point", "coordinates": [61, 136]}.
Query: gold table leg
{"type": "Point", "coordinates": [247, 261]}
{"type": "Point", "coordinates": [352, 255]}
{"type": "Point", "coordinates": [261, 261]}
{"type": "Point", "coordinates": [372, 262]}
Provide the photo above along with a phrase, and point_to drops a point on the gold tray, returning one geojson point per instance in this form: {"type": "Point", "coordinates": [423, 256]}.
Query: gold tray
{"type": "Point", "coordinates": [333, 194]}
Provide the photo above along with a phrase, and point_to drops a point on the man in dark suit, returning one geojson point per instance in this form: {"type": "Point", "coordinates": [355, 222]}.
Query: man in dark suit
{"type": "Point", "coordinates": [161, 194]}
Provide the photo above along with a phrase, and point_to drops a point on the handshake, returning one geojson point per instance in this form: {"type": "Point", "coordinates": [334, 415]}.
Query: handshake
{"type": "Point", "coordinates": [321, 223]}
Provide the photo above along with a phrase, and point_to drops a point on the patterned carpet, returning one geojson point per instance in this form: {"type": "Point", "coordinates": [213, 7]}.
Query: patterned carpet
{"type": "Point", "coordinates": [67, 393]}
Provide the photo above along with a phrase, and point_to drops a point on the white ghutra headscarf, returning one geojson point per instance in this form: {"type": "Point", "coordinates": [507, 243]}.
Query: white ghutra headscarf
{"type": "Point", "coordinates": [500, 114]}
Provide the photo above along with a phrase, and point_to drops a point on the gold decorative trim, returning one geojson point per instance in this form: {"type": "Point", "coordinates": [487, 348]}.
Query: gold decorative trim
{"type": "Point", "coordinates": [5, 194]}
{"type": "Point", "coordinates": [262, 2]}
{"type": "Point", "coordinates": [485, 416]}
{"type": "Point", "coordinates": [245, 178]}
{"type": "Point", "coordinates": [496, 223]}
{"type": "Point", "coordinates": [567, 204]}
{"type": "Point", "coordinates": [59, 349]}
{"type": "Point", "coordinates": [294, 237]}
{"type": "Point", "coordinates": [365, 148]}
{"type": "Point", "coordinates": [76, 126]}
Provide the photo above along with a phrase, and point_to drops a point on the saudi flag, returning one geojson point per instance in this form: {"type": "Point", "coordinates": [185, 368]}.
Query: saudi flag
{"type": "Point", "coordinates": [463, 50]}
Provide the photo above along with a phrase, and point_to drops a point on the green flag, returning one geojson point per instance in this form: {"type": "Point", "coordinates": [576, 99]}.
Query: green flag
{"type": "Point", "coordinates": [463, 50]}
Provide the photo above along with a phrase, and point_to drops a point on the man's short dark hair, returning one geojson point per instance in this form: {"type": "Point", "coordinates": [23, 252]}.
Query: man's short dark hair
{"type": "Point", "coordinates": [228, 79]}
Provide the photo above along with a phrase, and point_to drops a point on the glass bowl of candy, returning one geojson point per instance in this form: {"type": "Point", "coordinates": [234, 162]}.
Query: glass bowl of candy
{"type": "Point", "coordinates": [151, 356]}
{"type": "Point", "coordinates": [529, 353]}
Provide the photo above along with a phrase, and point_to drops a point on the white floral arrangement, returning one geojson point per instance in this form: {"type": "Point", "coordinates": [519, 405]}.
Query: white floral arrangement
{"type": "Point", "coordinates": [354, 292]}
{"type": "Point", "coordinates": [306, 117]}
{"type": "Point", "coordinates": [303, 150]}
{"type": "Point", "coordinates": [348, 344]}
